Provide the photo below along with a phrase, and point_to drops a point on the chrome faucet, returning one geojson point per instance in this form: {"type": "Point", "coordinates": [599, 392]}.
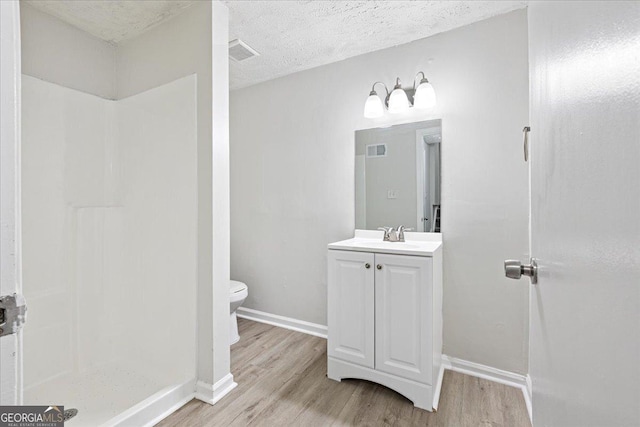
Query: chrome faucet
{"type": "Point", "coordinates": [389, 234]}
{"type": "Point", "coordinates": [400, 235]}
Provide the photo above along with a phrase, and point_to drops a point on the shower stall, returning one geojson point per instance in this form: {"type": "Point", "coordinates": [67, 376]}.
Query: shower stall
{"type": "Point", "coordinates": [113, 235]}
{"type": "Point", "coordinates": [109, 248]}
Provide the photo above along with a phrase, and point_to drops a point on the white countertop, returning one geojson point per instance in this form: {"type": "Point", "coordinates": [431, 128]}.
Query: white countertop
{"type": "Point", "coordinates": [419, 244]}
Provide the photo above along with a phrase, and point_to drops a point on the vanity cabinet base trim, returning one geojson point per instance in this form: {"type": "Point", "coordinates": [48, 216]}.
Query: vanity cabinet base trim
{"type": "Point", "coordinates": [436, 392]}
{"type": "Point", "coordinates": [422, 395]}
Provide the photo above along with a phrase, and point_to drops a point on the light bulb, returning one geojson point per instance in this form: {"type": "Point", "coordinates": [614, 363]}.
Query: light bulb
{"type": "Point", "coordinates": [425, 96]}
{"type": "Point", "coordinates": [373, 107]}
{"type": "Point", "coordinates": [398, 101]}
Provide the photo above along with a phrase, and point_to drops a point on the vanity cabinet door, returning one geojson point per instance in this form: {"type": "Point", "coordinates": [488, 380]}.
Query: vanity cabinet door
{"type": "Point", "coordinates": [351, 307]}
{"type": "Point", "coordinates": [404, 316]}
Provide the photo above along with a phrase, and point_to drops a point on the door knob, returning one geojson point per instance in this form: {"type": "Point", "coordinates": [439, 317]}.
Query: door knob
{"type": "Point", "coordinates": [514, 269]}
{"type": "Point", "coordinates": [379, 267]}
{"type": "Point", "coordinates": [367, 265]}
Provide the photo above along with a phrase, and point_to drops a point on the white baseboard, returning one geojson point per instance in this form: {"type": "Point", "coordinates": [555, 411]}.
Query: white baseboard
{"type": "Point", "coordinates": [212, 393]}
{"type": "Point", "coordinates": [482, 371]}
{"type": "Point", "coordinates": [523, 382]}
{"type": "Point", "coordinates": [283, 322]}
{"type": "Point", "coordinates": [528, 398]}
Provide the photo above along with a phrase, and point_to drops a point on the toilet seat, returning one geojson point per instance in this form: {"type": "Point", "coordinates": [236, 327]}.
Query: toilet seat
{"type": "Point", "coordinates": [236, 287]}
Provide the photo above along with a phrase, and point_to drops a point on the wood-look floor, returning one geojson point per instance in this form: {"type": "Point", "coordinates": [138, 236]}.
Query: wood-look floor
{"type": "Point", "coordinates": [282, 381]}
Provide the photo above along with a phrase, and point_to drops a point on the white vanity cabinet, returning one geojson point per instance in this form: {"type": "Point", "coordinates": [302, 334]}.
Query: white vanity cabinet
{"type": "Point", "coordinates": [385, 315]}
{"type": "Point", "coordinates": [351, 307]}
{"type": "Point", "coordinates": [403, 301]}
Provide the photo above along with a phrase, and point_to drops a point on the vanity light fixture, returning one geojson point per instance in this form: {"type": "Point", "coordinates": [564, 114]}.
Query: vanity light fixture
{"type": "Point", "coordinates": [373, 107]}
{"type": "Point", "coordinates": [398, 101]}
{"type": "Point", "coordinates": [425, 96]}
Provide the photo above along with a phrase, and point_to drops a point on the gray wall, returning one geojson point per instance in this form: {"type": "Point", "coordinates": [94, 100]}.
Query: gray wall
{"type": "Point", "coordinates": [292, 180]}
{"type": "Point", "coordinates": [57, 52]}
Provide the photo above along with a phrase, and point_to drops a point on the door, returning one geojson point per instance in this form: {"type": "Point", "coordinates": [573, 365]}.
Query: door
{"type": "Point", "coordinates": [361, 192]}
{"type": "Point", "coordinates": [350, 307]}
{"type": "Point", "coordinates": [422, 181]}
{"type": "Point", "coordinates": [10, 284]}
{"type": "Point", "coordinates": [404, 316]}
{"type": "Point", "coordinates": [585, 213]}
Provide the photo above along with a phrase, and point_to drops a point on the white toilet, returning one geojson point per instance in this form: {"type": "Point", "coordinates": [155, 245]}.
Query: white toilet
{"type": "Point", "coordinates": [238, 294]}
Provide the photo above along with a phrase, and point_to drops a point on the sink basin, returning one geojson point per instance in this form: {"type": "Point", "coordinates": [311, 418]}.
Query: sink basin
{"type": "Point", "coordinates": [411, 247]}
{"type": "Point", "coordinates": [387, 245]}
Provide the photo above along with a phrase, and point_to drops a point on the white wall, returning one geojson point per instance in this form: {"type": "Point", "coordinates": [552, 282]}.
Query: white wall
{"type": "Point", "coordinates": [57, 52]}
{"type": "Point", "coordinates": [10, 273]}
{"type": "Point", "coordinates": [179, 47]}
{"type": "Point", "coordinates": [221, 204]}
{"type": "Point", "coordinates": [292, 180]}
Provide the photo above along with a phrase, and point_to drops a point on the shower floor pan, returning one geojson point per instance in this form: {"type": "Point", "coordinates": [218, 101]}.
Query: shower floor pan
{"type": "Point", "coordinates": [111, 395]}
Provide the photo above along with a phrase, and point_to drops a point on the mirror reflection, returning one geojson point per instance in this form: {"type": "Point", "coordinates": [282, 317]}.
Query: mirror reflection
{"type": "Point", "coordinates": [398, 176]}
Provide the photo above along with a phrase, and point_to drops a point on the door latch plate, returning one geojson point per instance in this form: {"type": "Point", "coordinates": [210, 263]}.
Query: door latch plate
{"type": "Point", "coordinates": [13, 314]}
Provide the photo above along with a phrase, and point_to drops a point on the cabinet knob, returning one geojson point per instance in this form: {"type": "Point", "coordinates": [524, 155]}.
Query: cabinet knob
{"type": "Point", "coordinates": [379, 266]}
{"type": "Point", "coordinates": [367, 265]}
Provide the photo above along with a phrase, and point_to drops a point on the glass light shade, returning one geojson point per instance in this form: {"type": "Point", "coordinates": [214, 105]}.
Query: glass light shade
{"type": "Point", "coordinates": [373, 107]}
{"type": "Point", "coordinates": [425, 96]}
{"type": "Point", "coordinates": [398, 101]}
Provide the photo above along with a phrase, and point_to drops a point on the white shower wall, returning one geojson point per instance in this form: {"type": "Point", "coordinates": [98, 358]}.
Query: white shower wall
{"type": "Point", "coordinates": [157, 147]}
{"type": "Point", "coordinates": [60, 126]}
{"type": "Point", "coordinates": [109, 245]}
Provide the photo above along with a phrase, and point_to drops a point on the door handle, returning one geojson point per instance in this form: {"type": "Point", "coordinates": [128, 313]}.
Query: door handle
{"type": "Point", "coordinates": [525, 132]}
{"type": "Point", "coordinates": [514, 269]}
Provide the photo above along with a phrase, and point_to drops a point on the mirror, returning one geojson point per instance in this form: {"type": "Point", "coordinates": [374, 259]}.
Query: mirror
{"type": "Point", "coordinates": [398, 176]}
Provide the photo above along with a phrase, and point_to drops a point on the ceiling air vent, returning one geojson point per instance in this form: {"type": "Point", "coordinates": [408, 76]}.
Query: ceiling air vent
{"type": "Point", "coordinates": [377, 150]}
{"type": "Point", "coordinates": [239, 50]}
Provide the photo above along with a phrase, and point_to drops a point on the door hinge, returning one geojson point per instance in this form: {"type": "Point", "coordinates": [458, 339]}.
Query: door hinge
{"type": "Point", "coordinates": [13, 313]}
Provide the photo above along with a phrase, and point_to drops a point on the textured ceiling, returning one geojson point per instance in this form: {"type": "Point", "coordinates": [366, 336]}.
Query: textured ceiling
{"type": "Point", "coordinates": [289, 35]}
{"type": "Point", "coordinates": [297, 35]}
{"type": "Point", "coordinates": [112, 20]}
